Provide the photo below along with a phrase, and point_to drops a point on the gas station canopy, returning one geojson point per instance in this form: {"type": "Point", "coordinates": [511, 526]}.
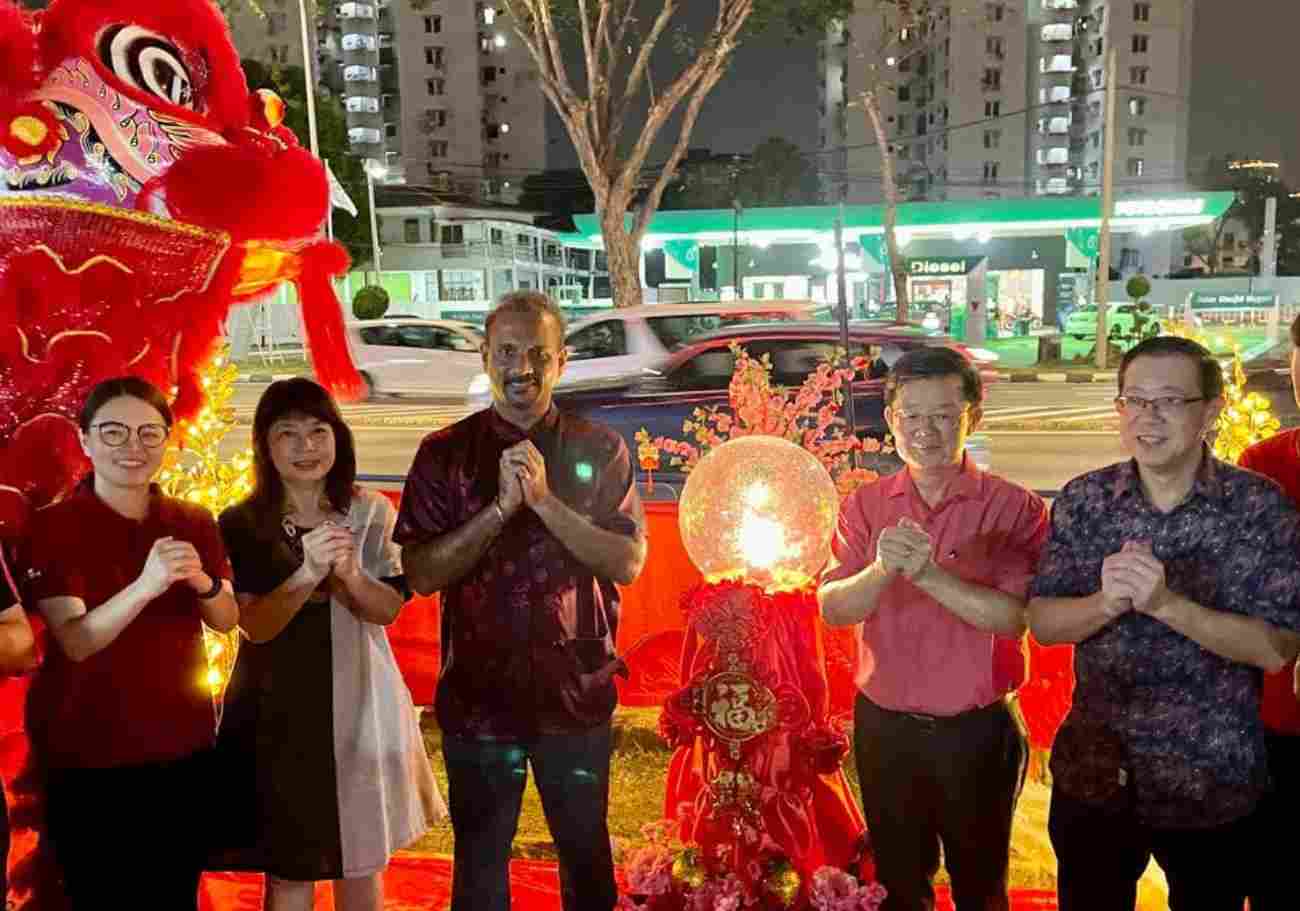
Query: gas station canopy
{"type": "Point", "coordinates": [968, 219]}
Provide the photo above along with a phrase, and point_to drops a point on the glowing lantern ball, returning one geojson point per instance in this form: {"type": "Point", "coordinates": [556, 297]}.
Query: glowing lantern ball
{"type": "Point", "coordinates": [759, 508]}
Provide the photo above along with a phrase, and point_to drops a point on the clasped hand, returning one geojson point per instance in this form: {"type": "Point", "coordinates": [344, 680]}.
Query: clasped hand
{"type": "Point", "coordinates": [522, 478]}
{"type": "Point", "coordinates": [1133, 579]}
{"type": "Point", "coordinates": [171, 561]}
{"type": "Point", "coordinates": [330, 548]}
{"type": "Point", "coordinates": [905, 548]}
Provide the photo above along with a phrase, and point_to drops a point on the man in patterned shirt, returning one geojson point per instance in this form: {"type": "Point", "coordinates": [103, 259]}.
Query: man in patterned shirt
{"type": "Point", "coordinates": [1176, 576]}
{"type": "Point", "coordinates": [524, 518]}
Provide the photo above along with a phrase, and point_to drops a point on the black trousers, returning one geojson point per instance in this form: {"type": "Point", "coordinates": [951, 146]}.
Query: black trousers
{"type": "Point", "coordinates": [130, 836]}
{"type": "Point", "coordinates": [485, 790]}
{"type": "Point", "coordinates": [1101, 854]}
{"type": "Point", "coordinates": [931, 780]}
{"type": "Point", "coordinates": [1272, 886]}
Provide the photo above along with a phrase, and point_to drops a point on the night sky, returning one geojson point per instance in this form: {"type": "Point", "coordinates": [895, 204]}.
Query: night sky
{"type": "Point", "coordinates": [1244, 98]}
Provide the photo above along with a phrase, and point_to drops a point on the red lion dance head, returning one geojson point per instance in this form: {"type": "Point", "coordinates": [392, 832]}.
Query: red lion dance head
{"type": "Point", "coordinates": [143, 191]}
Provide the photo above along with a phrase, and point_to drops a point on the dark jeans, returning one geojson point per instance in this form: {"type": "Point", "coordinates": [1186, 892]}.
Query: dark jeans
{"type": "Point", "coordinates": [930, 780]}
{"type": "Point", "coordinates": [1272, 886]}
{"type": "Point", "coordinates": [1101, 854]}
{"type": "Point", "coordinates": [131, 836]}
{"type": "Point", "coordinates": [485, 792]}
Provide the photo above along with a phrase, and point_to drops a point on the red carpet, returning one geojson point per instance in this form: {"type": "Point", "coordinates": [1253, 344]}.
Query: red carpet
{"type": "Point", "coordinates": [420, 882]}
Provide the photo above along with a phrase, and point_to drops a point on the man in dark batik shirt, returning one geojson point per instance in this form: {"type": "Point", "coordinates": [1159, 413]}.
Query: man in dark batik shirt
{"type": "Point", "coordinates": [1177, 578]}
{"type": "Point", "coordinates": [525, 518]}
{"type": "Point", "coordinates": [17, 655]}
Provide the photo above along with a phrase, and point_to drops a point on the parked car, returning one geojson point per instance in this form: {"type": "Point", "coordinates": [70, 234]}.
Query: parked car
{"type": "Point", "coordinates": [1082, 323]}
{"type": "Point", "coordinates": [415, 356]}
{"type": "Point", "coordinates": [1269, 372]}
{"type": "Point", "coordinates": [698, 376]}
{"type": "Point", "coordinates": [626, 341]}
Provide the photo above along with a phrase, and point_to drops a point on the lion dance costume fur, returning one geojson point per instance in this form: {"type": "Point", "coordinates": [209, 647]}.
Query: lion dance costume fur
{"type": "Point", "coordinates": [144, 191]}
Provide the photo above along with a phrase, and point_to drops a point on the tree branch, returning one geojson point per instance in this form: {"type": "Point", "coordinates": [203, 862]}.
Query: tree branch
{"type": "Point", "coordinates": [689, 117]}
{"type": "Point", "coordinates": [731, 18]}
{"type": "Point", "coordinates": [637, 75]}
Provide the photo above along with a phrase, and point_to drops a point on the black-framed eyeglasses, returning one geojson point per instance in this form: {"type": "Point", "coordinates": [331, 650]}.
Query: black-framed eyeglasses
{"type": "Point", "coordinates": [115, 434]}
{"type": "Point", "coordinates": [1162, 404]}
{"type": "Point", "coordinates": [941, 420]}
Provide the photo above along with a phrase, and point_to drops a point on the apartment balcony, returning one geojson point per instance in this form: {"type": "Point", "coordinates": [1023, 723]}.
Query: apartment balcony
{"type": "Point", "coordinates": [484, 254]}
{"type": "Point", "coordinates": [357, 73]}
{"type": "Point", "coordinates": [1057, 126]}
{"type": "Point", "coordinates": [1056, 186]}
{"type": "Point", "coordinates": [359, 42]}
{"type": "Point", "coordinates": [1056, 156]}
{"type": "Point", "coordinates": [1055, 94]}
{"type": "Point", "coordinates": [355, 11]}
{"type": "Point", "coordinates": [361, 104]}
{"type": "Point", "coordinates": [365, 136]}
{"type": "Point", "coordinates": [1057, 63]}
{"type": "Point", "coordinates": [1057, 33]}
{"type": "Point", "coordinates": [1060, 4]}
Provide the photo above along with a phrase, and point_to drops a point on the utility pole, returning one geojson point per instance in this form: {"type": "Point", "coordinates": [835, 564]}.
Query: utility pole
{"type": "Point", "coordinates": [1268, 266]}
{"type": "Point", "coordinates": [1107, 206]}
{"type": "Point", "coordinates": [736, 209]}
{"type": "Point", "coordinates": [842, 286]}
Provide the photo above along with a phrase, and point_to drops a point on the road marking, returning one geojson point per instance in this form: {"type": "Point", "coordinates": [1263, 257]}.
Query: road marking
{"type": "Point", "coordinates": [1055, 414]}
{"type": "Point", "coordinates": [383, 414]}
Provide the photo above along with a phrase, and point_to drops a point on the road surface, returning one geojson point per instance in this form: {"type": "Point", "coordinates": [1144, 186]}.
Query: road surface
{"type": "Point", "coordinates": [388, 431]}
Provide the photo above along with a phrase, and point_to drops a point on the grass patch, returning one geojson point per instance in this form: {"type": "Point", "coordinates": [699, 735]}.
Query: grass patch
{"type": "Point", "coordinates": [299, 366]}
{"type": "Point", "coordinates": [638, 776]}
{"type": "Point", "coordinates": [638, 773]}
{"type": "Point", "coordinates": [1021, 353]}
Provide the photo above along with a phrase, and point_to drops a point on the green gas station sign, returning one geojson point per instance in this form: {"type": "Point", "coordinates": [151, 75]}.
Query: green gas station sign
{"type": "Point", "coordinates": [939, 266]}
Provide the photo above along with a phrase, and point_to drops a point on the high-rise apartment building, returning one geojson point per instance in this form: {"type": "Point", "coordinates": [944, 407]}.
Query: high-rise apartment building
{"type": "Point", "coordinates": [271, 35]}
{"type": "Point", "coordinates": [1153, 44]}
{"type": "Point", "coordinates": [442, 93]}
{"type": "Point", "coordinates": [1002, 99]}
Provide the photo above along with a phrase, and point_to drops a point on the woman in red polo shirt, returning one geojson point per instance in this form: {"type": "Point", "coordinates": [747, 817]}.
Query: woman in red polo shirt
{"type": "Point", "coordinates": [319, 729]}
{"type": "Point", "coordinates": [119, 713]}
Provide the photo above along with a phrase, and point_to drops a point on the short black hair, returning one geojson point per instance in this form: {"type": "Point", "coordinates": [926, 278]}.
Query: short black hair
{"type": "Point", "coordinates": [299, 395]}
{"type": "Point", "coordinates": [132, 387]}
{"type": "Point", "coordinates": [535, 302]}
{"type": "Point", "coordinates": [935, 361]}
{"type": "Point", "coordinates": [1175, 346]}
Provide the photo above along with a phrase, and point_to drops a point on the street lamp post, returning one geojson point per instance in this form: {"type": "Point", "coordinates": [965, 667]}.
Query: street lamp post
{"type": "Point", "coordinates": [373, 170]}
{"type": "Point", "coordinates": [736, 208]}
{"type": "Point", "coordinates": [309, 78]}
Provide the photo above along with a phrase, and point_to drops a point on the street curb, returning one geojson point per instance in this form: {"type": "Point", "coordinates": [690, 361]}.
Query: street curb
{"type": "Point", "coordinates": [265, 377]}
{"type": "Point", "coordinates": [1032, 376]}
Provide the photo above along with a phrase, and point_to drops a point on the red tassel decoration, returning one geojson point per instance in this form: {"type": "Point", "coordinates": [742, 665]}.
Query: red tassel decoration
{"type": "Point", "coordinates": [322, 318]}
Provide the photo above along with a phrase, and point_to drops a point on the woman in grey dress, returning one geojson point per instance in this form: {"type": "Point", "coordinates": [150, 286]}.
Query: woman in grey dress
{"type": "Point", "coordinates": [317, 715]}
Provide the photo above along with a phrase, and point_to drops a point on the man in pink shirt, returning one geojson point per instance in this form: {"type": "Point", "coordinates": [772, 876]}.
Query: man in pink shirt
{"type": "Point", "coordinates": [935, 562]}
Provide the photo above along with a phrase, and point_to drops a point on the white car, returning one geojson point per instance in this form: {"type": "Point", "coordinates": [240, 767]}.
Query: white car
{"type": "Point", "coordinates": [416, 356]}
{"type": "Point", "coordinates": [626, 341]}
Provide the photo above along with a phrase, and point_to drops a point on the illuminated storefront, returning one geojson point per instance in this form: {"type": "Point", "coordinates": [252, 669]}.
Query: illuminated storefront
{"type": "Point", "coordinates": [1031, 251]}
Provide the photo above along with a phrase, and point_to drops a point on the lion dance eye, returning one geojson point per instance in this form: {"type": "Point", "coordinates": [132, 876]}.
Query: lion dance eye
{"type": "Point", "coordinates": [147, 61]}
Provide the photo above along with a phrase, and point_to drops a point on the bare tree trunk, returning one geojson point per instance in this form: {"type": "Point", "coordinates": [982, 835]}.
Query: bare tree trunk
{"type": "Point", "coordinates": [871, 102]}
{"type": "Point", "coordinates": [623, 249]}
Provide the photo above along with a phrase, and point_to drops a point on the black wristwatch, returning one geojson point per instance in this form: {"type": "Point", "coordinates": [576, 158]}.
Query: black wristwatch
{"type": "Point", "coordinates": [213, 591]}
